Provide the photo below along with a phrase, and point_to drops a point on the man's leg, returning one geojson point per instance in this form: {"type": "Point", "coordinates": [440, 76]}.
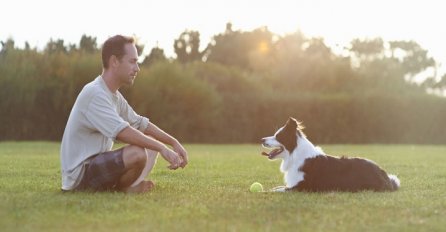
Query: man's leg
{"type": "Point", "coordinates": [138, 163]}
{"type": "Point", "coordinates": [150, 163]}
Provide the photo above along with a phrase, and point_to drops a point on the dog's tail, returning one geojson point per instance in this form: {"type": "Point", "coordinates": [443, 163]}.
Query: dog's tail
{"type": "Point", "coordinates": [395, 182]}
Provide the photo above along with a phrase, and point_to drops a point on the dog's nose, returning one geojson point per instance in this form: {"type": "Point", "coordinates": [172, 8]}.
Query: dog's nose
{"type": "Point", "coordinates": [263, 140]}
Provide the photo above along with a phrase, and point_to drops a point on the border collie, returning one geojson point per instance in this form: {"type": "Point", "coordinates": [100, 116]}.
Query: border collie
{"type": "Point", "coordinates": [307, 168]}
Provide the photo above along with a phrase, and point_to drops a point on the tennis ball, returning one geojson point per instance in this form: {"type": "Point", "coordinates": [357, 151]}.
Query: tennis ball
{"type": "Point", "coordinates": [256, 187]}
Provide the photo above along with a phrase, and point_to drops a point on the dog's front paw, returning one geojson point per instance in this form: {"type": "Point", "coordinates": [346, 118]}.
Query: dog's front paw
{"type": "Point", "coordinates": [279, 189]}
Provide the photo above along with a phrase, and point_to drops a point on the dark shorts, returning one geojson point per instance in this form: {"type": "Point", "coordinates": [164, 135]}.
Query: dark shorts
{"type": "Point", "coordinates": [103, 172]}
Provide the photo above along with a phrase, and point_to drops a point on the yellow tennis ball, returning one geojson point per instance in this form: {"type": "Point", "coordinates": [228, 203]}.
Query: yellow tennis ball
{"type": "Point", "coordinates": [256, 187]}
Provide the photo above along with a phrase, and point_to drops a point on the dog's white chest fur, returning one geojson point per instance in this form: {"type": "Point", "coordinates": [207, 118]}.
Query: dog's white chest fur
{"type": "Point", "coordinates": [291, 164]}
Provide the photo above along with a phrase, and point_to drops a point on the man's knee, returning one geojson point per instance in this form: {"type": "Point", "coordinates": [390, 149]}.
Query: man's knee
{"type": "Point", "coordinates": [134, 156]}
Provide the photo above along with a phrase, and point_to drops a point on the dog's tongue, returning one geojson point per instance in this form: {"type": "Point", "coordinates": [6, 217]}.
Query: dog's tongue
{"type": "Point", "coordinates": [273, 152]}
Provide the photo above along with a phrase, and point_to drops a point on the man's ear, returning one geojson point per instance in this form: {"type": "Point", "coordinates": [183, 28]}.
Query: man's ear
{"type": "Point", "coordinates": [113, 61]}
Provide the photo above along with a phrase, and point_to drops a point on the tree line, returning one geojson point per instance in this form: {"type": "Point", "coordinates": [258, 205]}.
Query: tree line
{"type": "Point", "coordinates": [241, 87]}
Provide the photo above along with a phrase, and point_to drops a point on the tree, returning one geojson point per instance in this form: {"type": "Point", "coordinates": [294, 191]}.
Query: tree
{"type": "Point", "coordinates": [291, 45]}
{"type": "Point", "coordinates": [187, 47]}
{"type": "Point", "coordinates": [432, 83]}
{"type": "Point", "coordinates": [413, 58]}
{"type": "Point", "coordinates": [7, 46]}
{"type": "Point", "coordinates": [156, 55]}
{"type": "Point", "coordinates": [390, 64]}
{"type": "Point", "coordinates": [242, 49]}
{"type": "Point", "coordinates": [317, 49]}
{"type": "Point", "coordinates": [88, 44]}
{"type": "Point", "coordinates": [441, 83]}
{"type": "Point", "coordinates": [368, 48]}
{"type": "Point", "coordinates": [55, 46]}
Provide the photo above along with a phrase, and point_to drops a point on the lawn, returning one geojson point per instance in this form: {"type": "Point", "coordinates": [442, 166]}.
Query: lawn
{"type": "Point", "coordinates": [211, 194]}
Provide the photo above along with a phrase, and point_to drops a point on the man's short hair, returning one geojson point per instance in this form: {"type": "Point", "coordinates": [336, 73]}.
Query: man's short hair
{"type": "Point", "coordinates": [115, 46]}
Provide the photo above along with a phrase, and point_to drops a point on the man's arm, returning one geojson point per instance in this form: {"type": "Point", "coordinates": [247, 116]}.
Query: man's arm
{"type": "Point", "coordinates": [103, 117]}
{"type": "Point", "coordinates": [164, 137]}
{"type": "Point", "coordinates": [135, 137]}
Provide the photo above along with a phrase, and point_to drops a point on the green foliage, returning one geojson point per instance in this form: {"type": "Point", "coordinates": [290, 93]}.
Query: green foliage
{"type": "Point", "coordinates": [170, 95]}
{"type": "Point", "coordinates": [156, 55]}
{"type": "Point", "coordinates": [187, 47]}
{"type": "Point", "coordinates": [55, 47]}
{"type": "Point", "coordinates": [240, 89]}
{"type": "Point", "coordinates": [39, 89]}
{"type": "Point", "coordinates": [212, 194]}
{"type": "Point", "coordinates": [246, 50]}
{"type": "Point", "coordinates": [406, 60]}
{"type": "Point", "coordinates": [88, 44]}
{"type": "Point", "coordinates": [241, 94]}
{"type": "Point", "coordinates": [367, 48]}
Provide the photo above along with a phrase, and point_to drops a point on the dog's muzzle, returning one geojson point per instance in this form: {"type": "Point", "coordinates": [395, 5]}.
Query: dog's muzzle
{"type": "Point", "coordinates": [273, 153]}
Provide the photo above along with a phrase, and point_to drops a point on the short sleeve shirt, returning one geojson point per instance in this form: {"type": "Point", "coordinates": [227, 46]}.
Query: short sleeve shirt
{"type": "Point", "coordinates": [97, 117]}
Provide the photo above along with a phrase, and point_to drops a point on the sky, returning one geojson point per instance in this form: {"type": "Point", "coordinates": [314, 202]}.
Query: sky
{"type": "Point", "coordinates": [160, 22]}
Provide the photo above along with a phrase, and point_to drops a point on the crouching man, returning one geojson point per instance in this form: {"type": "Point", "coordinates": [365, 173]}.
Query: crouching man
{"type": "Point", "coordinates": [101, 115]}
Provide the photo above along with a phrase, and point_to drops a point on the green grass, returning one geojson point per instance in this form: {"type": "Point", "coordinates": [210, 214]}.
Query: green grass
{"type": "Point", "coordinates": [211, 194]}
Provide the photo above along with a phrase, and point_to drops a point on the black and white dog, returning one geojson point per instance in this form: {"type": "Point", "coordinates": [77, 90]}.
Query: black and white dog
{"type": "Point", "coordinates": [307, 168]}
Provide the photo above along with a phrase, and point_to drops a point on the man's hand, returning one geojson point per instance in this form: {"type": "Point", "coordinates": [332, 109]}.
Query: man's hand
{"type": "Point", "coordinates": [157, 133]}
{"type": "Point", "coordinates": [172, 157]}
{"type": "Point", "coordinates": [178, 148]}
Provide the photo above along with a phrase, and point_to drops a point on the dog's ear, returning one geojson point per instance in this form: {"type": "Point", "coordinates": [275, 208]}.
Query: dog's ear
{"type": "Point", "coordinates": [294, 123]}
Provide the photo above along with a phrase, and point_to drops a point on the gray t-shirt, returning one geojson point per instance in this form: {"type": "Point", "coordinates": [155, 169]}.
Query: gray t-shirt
{"type": "Point", "coordinates": [97, 117]}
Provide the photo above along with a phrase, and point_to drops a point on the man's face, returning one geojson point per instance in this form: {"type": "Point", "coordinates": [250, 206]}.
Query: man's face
{"type": "Point", "coordinates": [128, 65]}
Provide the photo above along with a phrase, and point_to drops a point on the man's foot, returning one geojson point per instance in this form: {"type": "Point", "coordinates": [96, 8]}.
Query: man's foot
{"type": "Point", "coordinates": [143, 187]}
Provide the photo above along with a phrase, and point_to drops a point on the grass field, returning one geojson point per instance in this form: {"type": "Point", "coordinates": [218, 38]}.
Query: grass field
{"type": "Point", "coordinates": [211, 194]}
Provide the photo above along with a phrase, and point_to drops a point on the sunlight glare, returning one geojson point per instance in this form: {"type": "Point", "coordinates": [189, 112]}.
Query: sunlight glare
{"type": "Point", "coordinates": [263, 47]}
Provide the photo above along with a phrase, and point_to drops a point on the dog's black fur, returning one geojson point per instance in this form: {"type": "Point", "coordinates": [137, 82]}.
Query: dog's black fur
{"type": "Point", "coordinates": [328, 173]}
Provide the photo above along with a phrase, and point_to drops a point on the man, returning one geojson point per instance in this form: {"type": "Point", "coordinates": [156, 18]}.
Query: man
{"type": "Point", "coordinates": [99, 116]}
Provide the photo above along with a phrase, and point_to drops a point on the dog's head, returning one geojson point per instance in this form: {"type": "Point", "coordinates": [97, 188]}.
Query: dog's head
{"type": "Point", "coordinates": [284, 141]}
